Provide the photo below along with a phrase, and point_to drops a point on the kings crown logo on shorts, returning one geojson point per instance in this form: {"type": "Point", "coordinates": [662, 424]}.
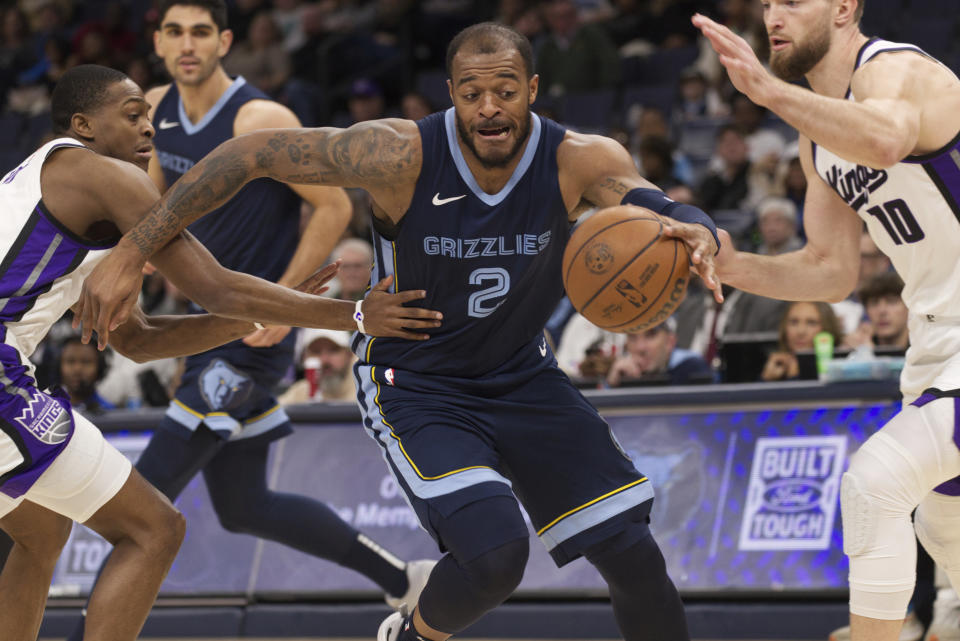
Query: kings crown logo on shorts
{"type": "Point", "coordinates": [792, 495]}
{"type": "Point", "coordinates": [45, 419]}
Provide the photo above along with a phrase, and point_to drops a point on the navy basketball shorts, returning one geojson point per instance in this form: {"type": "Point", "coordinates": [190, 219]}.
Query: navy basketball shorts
{"type": "Point", "coordinates": [236, 402]}
{"type": "Point", "coordinates": [450, 442]}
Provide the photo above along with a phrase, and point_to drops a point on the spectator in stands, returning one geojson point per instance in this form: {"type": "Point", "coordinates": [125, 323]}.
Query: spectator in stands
{"type": "Point", "coordinates": [16, 51]}
{"type": "Point", "coordinates": [580, 342]}
{"type": "Point", "coordinates": [656, 162]}
{"type": "Point", "coordinates": [574, 57]}
{"type": "Point", "coordinates": [886, 314]}
{"type": "Point", "coordinates": [334, 377]}
{"type": "Point", "coordinates": [288, 16]}
{"type": "Point", "coordinates": [652, 356]}
{"type": "Point", "coordinates": [790, 182]}
{"type": "Point", "coordinates": [765, 145]}
{"type": "Point", "coordinates": [777, 224]}
{"type": "Point", "coordinates": [261, 58]}
{"type": "Point", "coordinates": [726, 185]}
{"type": "Point", "coordinates": [696, 99]}
{"type": "Point", "coordinates": [801, 322]}
{"type": "Point", "coordinates": [354, 276]}
{"type": "Point", "coordinates": [82, 366]}
{"type": "Point", "coordinates": [415, 106]}
{"type": "Point", "coordinates": [872, 262]}
{"type": "Point", "coordinates": [366, 100]}
{"type": "Point", "coordinates": [522, 15]}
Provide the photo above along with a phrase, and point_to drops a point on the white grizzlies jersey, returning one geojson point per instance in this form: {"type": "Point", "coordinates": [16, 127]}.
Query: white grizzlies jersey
{"type": "Point", "coordinates": [912, 211]}
{"type": "Point", "coordinates": [42, 263]}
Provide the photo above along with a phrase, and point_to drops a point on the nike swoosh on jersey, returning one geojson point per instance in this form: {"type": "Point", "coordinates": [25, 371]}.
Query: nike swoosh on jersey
{"type": "Point", "coordinates": [437, 200]}
{"type": "Point", "coordinates": [166, 124]}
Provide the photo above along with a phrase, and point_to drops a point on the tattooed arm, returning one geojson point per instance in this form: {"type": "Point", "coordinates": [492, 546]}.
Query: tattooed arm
{"type": "Point", "coordinates": [381, 156]}
{"type": "Point", "coordinates": [599, 171]}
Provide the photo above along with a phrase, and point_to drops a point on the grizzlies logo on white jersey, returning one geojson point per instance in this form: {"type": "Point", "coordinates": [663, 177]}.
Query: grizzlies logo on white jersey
{"type": "Point", "coordinates": [911, 211]}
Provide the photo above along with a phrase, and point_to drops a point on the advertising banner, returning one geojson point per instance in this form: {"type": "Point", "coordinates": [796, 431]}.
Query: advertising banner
{"type": "Point", "coordinates": [745, 499]}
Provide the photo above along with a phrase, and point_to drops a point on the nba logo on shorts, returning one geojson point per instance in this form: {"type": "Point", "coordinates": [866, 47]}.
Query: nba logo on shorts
{"type": "Point", "coordinates": [792, 495]}
{"type": "Point", "coordinates": [389, 375]}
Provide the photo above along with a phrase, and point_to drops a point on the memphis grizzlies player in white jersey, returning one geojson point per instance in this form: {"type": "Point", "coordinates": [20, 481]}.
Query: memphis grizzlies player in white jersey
{"type": "Point", "coordinates": [64, 208]}
{"type": "Point", "coordinates": [879, 145]}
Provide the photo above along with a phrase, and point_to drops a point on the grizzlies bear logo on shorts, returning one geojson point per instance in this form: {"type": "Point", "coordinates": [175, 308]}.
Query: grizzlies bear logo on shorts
{"type": "Point", "coordinates": [223, 387]}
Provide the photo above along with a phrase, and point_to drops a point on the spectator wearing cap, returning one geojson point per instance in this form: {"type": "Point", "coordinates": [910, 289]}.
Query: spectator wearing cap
{"type": "Point", "coordinates": [777, 223]}
{"type": "Point", "coordinates": [653, 356]}
{"type": "Point", "coordinates": [366, 100]}
{"type": "Point", "coordinates": [331, 355]}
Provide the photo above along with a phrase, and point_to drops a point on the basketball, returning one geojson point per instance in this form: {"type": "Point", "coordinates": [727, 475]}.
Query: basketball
{"type": "Point", "coordinates": [622, 273]}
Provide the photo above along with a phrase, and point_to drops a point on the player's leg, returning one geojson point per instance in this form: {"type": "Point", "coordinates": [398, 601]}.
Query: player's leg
{"type": "Point", "coordinates": [586, 498]}
{"type": "Point", "coordinates": [38, 537]}
{"type": "Point", "coordinates": [444, 461]}
{"type": "Point", "coordinates": [145, 531]}
{"type": "Point", "coordinates": [487, 545]}
{"type": "Point", "coordinates": [645, 601]}
{"type": "Point", "coordinates": [237, 480]}
{"type": "Point", "coordinates": [172, 457]}
{"type": "Point", "coordinates": [937, 523]}
{"type": "Point", "coordinates": [94, 484]}
{"type": "Point", "coordinates": [888, 477]}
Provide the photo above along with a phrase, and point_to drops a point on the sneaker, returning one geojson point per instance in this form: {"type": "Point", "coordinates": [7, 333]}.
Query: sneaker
{"type": "Point", "coordinates": [912, 630]}
{"type": "Point", "coordinates": [398, 626]}
{"type": "Point", "coordinates": [392, 626]}
{"type": "Point", "coordinates": [946, 617]}
{"type": "Point", "coordinates": [417, 574]}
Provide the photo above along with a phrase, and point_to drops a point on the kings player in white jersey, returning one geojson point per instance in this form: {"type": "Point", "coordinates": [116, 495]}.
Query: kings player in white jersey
{"type": "Point", "coordinates": [880, 144]}
{"type": "Point", "coordinates": [63, 209]}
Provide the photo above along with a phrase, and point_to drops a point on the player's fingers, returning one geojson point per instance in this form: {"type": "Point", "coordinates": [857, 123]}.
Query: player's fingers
{"type": "Point", "coordinates": [408, 295]}
{"type": "Point", "coordinates": [403, 333]}
{"type": "Point", "coordinates": [419, 312]}
{"type": "Point", "coordinates": [384, 284]}
{"type": "Point", "coordinates": [420, 324]}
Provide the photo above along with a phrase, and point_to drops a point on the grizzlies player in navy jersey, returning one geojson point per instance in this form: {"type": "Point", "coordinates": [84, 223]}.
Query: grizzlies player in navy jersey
{"type": "Point", "coordinates": [474, 205]}
{"type": "Point", "coordinates": [64, 208]}
{"type": "Point", "coordinates": [227, 436]}
{"type": "Point", "coordinates": [880, 144]}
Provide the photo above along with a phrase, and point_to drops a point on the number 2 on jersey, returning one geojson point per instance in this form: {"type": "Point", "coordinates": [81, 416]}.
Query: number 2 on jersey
{"type": "Point", "coordinates": [898, 220]}
{"type": "Point", "coordinates": [501, 285]}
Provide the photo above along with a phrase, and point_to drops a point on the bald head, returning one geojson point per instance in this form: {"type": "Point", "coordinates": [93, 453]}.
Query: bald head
{"type": "Point", "coordinates": [487, 38]}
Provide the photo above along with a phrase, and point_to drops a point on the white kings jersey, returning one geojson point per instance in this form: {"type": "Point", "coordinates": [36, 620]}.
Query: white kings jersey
{"type": "Point", "coordinates": [42, 263]}
{"type": "Point", "coordinates": [912, 211]}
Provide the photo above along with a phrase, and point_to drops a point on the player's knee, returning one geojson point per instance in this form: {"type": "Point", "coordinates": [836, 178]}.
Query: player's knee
{"type": "Point", "coordinates": [878, 489]}
{"type": "Point", "coordinates": [497, 573]}
{"type": "Point", "coordinates": [167, 537]}
{"type": "Point", "coordinates": [630, 562]}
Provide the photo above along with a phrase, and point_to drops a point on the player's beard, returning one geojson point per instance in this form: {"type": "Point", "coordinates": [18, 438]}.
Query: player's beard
{"type": "Point", "coordinates": [491, 161]}
{"type": "Point", "coordinates": [797, 61]}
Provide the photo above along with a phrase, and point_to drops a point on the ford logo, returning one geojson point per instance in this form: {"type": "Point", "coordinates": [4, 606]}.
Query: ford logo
{"type": "Point", "coordinates": [792, 495]}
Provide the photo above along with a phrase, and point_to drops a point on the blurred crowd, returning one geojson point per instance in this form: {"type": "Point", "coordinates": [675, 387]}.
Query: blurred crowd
{"type": "Point", "coordinates": [635, 70]}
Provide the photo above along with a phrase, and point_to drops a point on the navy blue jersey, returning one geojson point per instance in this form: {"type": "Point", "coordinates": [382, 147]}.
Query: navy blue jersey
{"type": "Point", "coordinates": [256, 231]}
{"type": "Point", "coordinates": [491, 263]}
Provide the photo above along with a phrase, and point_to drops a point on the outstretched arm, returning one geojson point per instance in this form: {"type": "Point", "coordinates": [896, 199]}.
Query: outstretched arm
{"type": "Point", "coordinates": [146, 338]}
{"type": "Point", "coordinates": [878, 129]}
{"type": "Point", "coordinates": [224, 292]}
{"type": "Point", "coordinates": [379, 156]}
{"type": "Point", "coordinates": [825, 269]}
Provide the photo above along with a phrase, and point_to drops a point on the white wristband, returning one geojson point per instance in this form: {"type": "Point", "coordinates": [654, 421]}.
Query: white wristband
{"type": "Point", "coordinates": [258, 325]}
{"type": "Point", "coordinates": [358, 316]}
